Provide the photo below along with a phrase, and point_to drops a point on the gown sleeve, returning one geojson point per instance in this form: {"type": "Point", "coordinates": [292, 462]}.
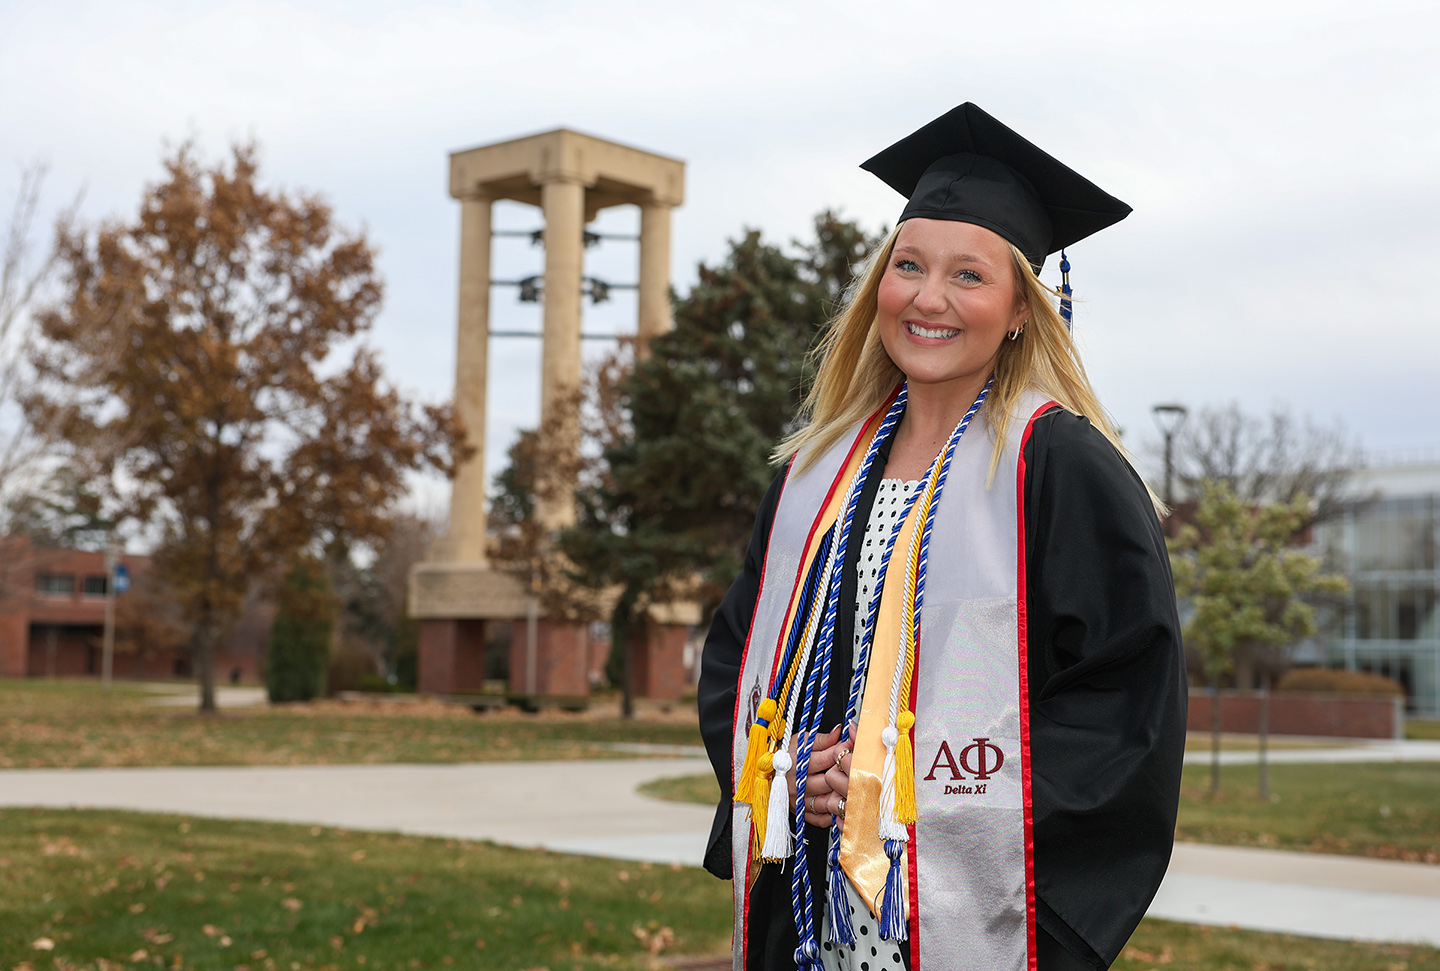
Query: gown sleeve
{"type": "Point", "coordinates": [1107, 691]}
{"type": "Point", "coordinates": [720, 662]}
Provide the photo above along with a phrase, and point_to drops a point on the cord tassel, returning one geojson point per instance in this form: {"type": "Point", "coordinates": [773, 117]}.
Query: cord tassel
{"type": "Point", "coordinates": [778, 842]}
{"type": "Point", "coordinates": [904, 771]}
{"type": "Point", "coordinates": [893, 918]}
{"type": "Point", "coordinates": [890, 828]}
{"type": "Point", "coordinates": [760, 803]}
{"type": "Point", "coordinates": [745, 785]}
{"type": "Point", "coordinates": [842, 928]}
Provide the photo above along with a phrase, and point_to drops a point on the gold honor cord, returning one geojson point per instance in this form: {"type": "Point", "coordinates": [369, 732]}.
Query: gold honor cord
{"type": "Point", "coordinates": [757, 775]}
{"type": "Point", "coordinates": [862, 851]}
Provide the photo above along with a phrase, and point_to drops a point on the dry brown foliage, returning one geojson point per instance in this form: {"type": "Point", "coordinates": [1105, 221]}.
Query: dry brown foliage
{"type": "Point", "coordinates": [204, 362]}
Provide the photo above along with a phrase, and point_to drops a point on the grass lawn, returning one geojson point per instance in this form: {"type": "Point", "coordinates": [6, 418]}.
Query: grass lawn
{"type": "Point", "coordinates": [1160, 945]}
{"type": "Point", "coordinates": [73, 724]}
{"type": "Point", "coordinates": [105, 891]}
{"type": "Point", "coordinates": [100, 889]}
{"type": "Point", "coordinates": [1427, 729]}
{"type": "Point", "coordinates": [1380, 809]}
{"type": "Point", "coordinates": [1200, 742]}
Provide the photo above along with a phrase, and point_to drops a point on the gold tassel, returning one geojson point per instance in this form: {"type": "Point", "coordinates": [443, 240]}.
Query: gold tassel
{"type": "Point", "coordinates": [745, 785]}
{"type": "Point", "coordinates": [905, 770]}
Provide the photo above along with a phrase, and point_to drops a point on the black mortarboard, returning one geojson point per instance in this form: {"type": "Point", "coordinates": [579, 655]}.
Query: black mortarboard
{"type": "Point", "coordinates": [968, 167]}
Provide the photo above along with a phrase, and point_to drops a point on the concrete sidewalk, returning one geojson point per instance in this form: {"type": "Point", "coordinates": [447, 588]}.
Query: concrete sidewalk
{"type": "Point", "coordinates": [1361, 750]}
{"type": "Point", "coordinates": [586, 807]}
{"type": "Point", "coordinates": [591, 807]}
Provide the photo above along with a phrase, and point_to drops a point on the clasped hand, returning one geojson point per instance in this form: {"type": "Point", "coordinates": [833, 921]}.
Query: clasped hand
{"type": "Point", "coordinates": [827, 780]}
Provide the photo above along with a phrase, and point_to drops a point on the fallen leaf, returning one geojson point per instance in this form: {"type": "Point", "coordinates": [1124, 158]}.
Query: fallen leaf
{"type": "Point", "coordinates": [291, 904]}
{"type": "Point", "coordinates": [140, 955]}
{"type": "Point", "coordinates": [337, 942]}
{"type": "Point", "coordinates": [225, 941]}
{"type": "Point", "coordinates": [358, 855]}
{"type": "Point", "coordinates": [210, 930]}
{"type": "Point", "coordinates": [137, 908]}
{"type": "Point", "coordinates": [43, 944]}
{"type": "Point", "coordinates": [623, 875]}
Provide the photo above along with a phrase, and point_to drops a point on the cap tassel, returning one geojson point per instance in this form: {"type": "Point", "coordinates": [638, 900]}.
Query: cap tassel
{"type": "Point", "coordinates": [837, 901]}
{"type": "Point", "coordinates": [893, 918]}
{"type": "Point", "coordinates": [1067, 309]}
{"type": "Point", "coordinates": [905, 812]}
{"type": "Point", "coordinates": [778, 843]}
{"type": "Point", "coordinates": [745, 785]}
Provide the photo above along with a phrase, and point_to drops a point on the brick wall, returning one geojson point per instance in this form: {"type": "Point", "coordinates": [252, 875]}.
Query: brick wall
{"type": "Point", "coordinates": [1295, 713]}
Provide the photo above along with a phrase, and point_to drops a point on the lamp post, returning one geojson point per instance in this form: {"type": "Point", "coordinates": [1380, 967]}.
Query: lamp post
{"type": "Point", "coordinates": [1169, 417]}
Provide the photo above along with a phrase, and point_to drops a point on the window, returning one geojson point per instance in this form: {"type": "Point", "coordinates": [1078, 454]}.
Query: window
{"type": "Point", "coordinates": [94, 587]}
{"type": "Point", "coordinates": [56, 584]}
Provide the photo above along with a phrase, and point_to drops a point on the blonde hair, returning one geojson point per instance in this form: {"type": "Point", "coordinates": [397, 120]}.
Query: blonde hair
{"type": "Point", "coordinates": [855, 375]}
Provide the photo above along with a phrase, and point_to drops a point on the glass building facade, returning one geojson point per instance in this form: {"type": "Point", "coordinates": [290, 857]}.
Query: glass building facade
{"type": "Point", "coordinates": [1388, 546]}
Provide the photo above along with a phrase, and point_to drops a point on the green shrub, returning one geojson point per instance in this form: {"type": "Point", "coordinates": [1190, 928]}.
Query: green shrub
{"type": "Point", "coordinates": [1339, 681]}
{"type": "Point", "coordinates": [298, 652]}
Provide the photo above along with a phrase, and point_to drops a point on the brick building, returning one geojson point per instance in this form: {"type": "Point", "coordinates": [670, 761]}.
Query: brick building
{"type": "Point", "coordinates": [52, 621]}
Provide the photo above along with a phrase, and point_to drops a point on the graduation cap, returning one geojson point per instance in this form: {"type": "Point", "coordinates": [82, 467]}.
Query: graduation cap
{"type": "Point", "coordinates": [968, 167]}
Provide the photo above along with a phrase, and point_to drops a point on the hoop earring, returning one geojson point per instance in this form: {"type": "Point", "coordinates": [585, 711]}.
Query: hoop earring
{"type": "Point", "coordinates": [1015, 334]}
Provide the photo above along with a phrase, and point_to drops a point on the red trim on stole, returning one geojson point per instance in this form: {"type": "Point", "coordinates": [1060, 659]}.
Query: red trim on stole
{"type": "Point", "coordinates": [912, 855]}
{"type": "Point", "coordinates": [1025, 687]}
{"type": "Point", "coordinates": [779, 649]}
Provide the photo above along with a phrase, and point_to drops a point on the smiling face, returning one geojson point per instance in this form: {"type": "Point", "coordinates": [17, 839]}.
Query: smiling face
{"type": "Point", "coordinates": [946, 302]}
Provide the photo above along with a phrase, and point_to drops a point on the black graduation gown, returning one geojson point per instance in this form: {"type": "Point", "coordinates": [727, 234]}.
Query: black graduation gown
{"type": "Point", "coordinates": [1107, 700]}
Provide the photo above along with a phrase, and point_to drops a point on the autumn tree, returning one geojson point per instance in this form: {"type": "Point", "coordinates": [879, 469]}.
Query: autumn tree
{"type": "Point", "coordinates": [1270, 458]}
{"type": "Point", "coordinates": [33, 492]}
{"type": "Point", "coordinates": [1246, 585]}
{"type": "Point", "coordinates": [206, 361]}
{"type": "Point", "coordinates": [688, 428]}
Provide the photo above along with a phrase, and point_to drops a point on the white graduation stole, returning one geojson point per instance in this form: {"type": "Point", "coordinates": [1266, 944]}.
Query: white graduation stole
{"type": "Point", "coordinates": [970, 859]}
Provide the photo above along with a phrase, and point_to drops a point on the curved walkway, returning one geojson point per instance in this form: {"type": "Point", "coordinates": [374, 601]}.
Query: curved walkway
{"type": "Point", "coordinates": [591, 807]}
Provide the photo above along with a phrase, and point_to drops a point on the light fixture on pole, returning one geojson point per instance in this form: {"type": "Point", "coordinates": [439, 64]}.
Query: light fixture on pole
{"type": "Point", "coordinates": [1169, 417]}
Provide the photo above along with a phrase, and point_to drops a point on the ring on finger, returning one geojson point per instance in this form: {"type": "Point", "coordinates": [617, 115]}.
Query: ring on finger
{"type": "Point", "coordinates": [840, 753]}
{"type": "Point", "coordinates": [840, 809]}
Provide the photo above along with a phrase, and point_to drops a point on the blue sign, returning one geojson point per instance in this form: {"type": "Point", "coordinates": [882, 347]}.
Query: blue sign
{"type": "Point", "coordinates": [122, 578]}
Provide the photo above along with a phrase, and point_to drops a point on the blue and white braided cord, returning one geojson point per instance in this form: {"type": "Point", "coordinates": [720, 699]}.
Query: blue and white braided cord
{"type": "Point", "coordinates": [807, 954]}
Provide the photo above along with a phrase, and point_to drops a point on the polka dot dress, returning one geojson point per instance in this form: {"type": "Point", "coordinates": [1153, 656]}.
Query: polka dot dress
{"type": "Point", "coordinates": [870, 952]}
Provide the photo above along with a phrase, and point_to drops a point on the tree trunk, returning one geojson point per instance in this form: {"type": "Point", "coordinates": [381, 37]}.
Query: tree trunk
{"type": "Point", "coordinates": [1214, 739]}
{"type": "Point", "coordinates": [621, 624]}
{"type": "Point", "coordinates": [1264, 741]}
{"type": "Point", "coordinates": [205, 666]}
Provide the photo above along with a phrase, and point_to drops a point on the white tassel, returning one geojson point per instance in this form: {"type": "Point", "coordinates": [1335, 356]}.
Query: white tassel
{"type": "Point", "coordinates": [779, 840]}
{"type": "Point", "coordinates": [890, 828]}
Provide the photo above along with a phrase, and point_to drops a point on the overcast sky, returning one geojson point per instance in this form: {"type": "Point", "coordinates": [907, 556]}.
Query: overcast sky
{"type": "Point", "coordinates": [1282, 157]}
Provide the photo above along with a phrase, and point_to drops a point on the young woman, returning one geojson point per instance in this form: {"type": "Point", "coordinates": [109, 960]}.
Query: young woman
{"type": "Point", "coordinates": [956, 614]}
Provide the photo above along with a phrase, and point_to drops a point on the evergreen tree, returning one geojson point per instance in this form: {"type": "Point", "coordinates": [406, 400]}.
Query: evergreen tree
{"type": "Point", "coordinates": [690, 428]}
{"type": "Point", "coordinates": [298, 653]}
